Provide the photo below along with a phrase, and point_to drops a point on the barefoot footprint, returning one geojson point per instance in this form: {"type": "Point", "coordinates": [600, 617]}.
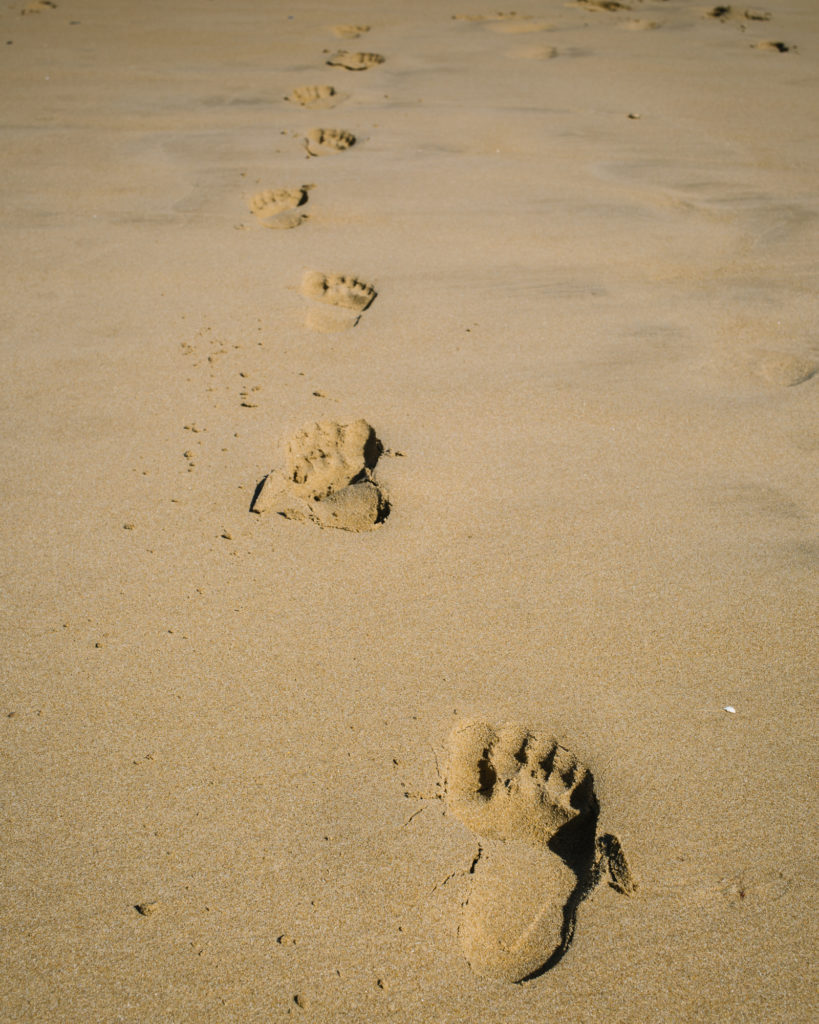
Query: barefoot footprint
{"type": "Point", "coordinates": [341, 291]}
{"type": "Point", "coordinates": [787, 370]}
{"type": "Point", "coordinates": [603, 5]}
{"type": "Point", "coordinates": [775, 46]}
{"type": "Point", "coordinates": [724, 12]}
{"type": "Point", "coordinates": [532, 803]}
{"type": "Point", "coordinates": [327, 479]}
{"type": "Point", "coordinates": [328, 140]}
{"type": "Point", "coordinates": [349, 31]}
{"type": "Point", "coordinates": [316, 97]}
{"type": "Point", "coordinates": [338, 290]}
{"type": "Point", "coordinates": [498, 16]}
{"type": "Point", "coordinates": [354, 61]}
{"type": "Point", "coordinates": [38, 6]}
{"type": "Point", "coordinates": [278, 207]}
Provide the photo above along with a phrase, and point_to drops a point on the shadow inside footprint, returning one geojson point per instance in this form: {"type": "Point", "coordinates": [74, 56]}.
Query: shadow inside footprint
{"type": "Point", "coordinates": [533, 805]}
{"type": "Point", "coordinates": [575, 845]}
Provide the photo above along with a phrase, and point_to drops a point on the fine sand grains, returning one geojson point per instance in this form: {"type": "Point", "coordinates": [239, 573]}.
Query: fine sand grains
{"type": "Point", "coordinates": [597, 520]}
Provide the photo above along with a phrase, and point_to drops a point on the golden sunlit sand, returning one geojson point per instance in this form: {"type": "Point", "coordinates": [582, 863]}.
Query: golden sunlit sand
{"type": "Point", "coordinates": [515, 725]}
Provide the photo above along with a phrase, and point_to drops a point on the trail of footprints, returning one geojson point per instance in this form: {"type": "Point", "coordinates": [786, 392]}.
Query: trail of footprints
{"type": "Point", "coordinates": [327, 471]}
{"type": "Point", "coordinates": [510, 23]}
{"type": "Point", "coordinates": [327, 476]}
{"type": "Point", "coordinates": [528, 801]}
{"type": "Point", "coordinates": [282, 208]}
{"type": "Point", "coordinates": [745, 16]}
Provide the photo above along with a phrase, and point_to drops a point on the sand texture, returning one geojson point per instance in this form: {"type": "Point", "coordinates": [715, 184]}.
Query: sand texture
{"type": "Point", "coordinates": [410, 502]}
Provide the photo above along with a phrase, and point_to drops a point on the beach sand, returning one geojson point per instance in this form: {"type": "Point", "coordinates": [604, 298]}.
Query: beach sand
{"type": "Point", "coordinates": [562, 262]}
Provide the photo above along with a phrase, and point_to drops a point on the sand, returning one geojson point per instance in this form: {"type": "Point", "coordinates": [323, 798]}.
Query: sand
{"type": "Point", "coordinates": [567, 266]}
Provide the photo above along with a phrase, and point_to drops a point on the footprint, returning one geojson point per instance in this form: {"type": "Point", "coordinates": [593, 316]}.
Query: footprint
{"type": "Point", "coordinates": [277, 208]}
{"type": "Point", "coordinates": [533, 52]}
{"type": "Point", "coordinates": [349, 31]}
{"type": "Point", "coordinates": [354, 61]}
{"type": "Point", "coordinates": [775, 46]}
{"type": "Point", "coordinates": [341, 291]}
{"type": "Point", "coordinates": [327, 479]}
{"type": "Point", "coordinates": [602, 5]}
{"type": "Point", "coordinates": [337, 289]}
{"type": "Point", "coordinates": [640, 25]}
{"type": "Point", "coordinates": [724, 12]}
{"type": "Point", "coordinates": [499, 16]}
{"type": "Point", "coordinates": [38, 6]}
{"type": "Point", "coordinates": [320, 141]}
{"type": "Point", "coordinates": [786, 370]}
{"type": "Point", "coordinates": [533, 806]}
{"type": "Point", "coordinates": [329, 321]}
{"type": "Point", "coordinates": [316, 97]}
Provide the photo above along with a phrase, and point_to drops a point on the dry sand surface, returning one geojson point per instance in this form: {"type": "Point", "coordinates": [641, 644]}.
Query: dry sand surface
{"type": "Point", "coordinates": [513, 665]}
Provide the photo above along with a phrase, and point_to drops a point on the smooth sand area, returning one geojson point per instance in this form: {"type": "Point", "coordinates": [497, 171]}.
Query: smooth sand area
{"type": "Point", "coordinates": [514, 664]}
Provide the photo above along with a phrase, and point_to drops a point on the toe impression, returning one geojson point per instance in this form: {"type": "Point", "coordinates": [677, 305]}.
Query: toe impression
{"type": "Point", "coordinates": [532, 803]}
